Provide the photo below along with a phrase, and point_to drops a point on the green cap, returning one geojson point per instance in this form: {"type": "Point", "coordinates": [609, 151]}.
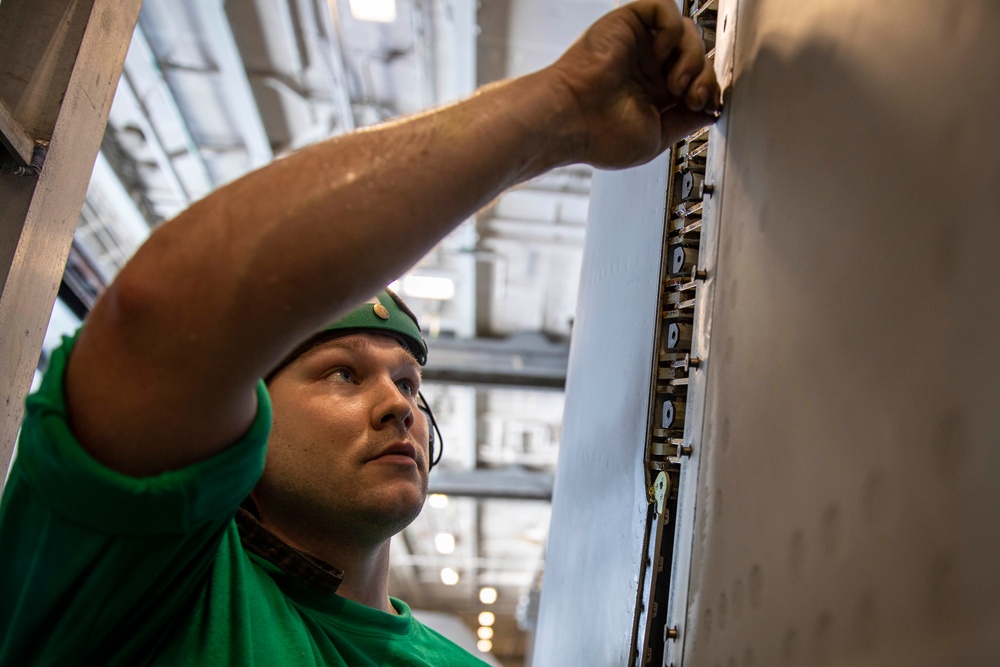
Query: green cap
{"type": "Point", "coordinates": [385, 312]}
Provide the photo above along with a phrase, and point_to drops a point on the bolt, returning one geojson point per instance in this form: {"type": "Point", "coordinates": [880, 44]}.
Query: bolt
{"type": "Point", "coordinates": [686, 451]}
{"type": "Point", "coordinates": [673, 633]}
{"type": "Point", "coordinates": [707, 189]}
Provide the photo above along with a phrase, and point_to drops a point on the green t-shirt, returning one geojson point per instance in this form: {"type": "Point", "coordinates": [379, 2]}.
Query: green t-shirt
{"type": "Point", "coordinates": [98, 568]}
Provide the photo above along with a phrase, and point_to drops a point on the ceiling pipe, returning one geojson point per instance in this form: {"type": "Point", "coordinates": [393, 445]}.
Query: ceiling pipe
{"type": "Point", "coordinates": [422, 27]}
{"type": "Point", "coordinates": [143, 49]}
{"type": "Point", "coordinates": [287, 24]}
{"type": "Point", "coordinates": [127, 95]}
{"type": "Point", "coordinates": [321, 26]}
{"type": "Point", "coordinates": [234, 80]}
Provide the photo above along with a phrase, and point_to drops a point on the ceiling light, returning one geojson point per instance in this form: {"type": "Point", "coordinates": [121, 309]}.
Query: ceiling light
{"type": "Point", "coordinates": [449, 577]}
{"type": "Point", "coordinates": [429, 287]}
{"type": "Point", "coordinates": [379, 11]}
{"type": "Point", "coordinates": [484, 645]}
{"type": "Point", "coordinates": [444, 543]}
{"type": "Point", "coordinates": [486, 618]}
{"type": "Point", "coordinates": [488, 595]}
{"type": "Point", "coordinates": [438, 501]}
{"type": "Point", "coordinates": [485, 633]}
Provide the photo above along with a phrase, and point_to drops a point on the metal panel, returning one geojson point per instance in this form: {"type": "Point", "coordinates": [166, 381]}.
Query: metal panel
{"type": "Point", "coordinates": [849, 510]}
{"type": "Point", "coordinates": [599, 500]}
{"type": "Point", "coordinates": [13, 137]}
{"type": "Point", "coordinates": [59, 64]}
{"type": "Point", "coordinates": [684, 535]}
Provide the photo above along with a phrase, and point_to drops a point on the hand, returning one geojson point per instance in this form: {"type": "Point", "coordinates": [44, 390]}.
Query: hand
{"type": "Point", "coordinates": [639, 81]}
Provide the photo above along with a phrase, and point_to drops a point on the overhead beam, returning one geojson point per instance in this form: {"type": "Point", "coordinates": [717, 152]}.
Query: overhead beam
{"type": "Point", "coordinates": [13, 137]}
{"type": "Point", "coordinates": [526, 360]}
{"type": "Point", "coordinates": [512, 483]}
{"type": "Point", "coordinates": [234, 79]}
{"type": "Point", "coordinates": [321, 26]}
{"type": "Point", "coordinates": [145, 60]}
{"type": "Point", "coordinates": [60, 61]}
{"type": "Point", "coordinates": [129, 96]}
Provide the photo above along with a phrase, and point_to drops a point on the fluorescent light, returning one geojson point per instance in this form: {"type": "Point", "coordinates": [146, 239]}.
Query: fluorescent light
{"type": "Point", "coordinates": [438, 501]}
{"type": "Point", "coordinates": [488, 595]}
{"type": "Point", "coordinates": [449, 577]}
{"type": "Point", "coordinates": [429, 287]}
{"type": "Point", "coordinates": [379, 11]}
{"type": "Point", "coordinates": [486, 618]}
{"type": "Point", "coordinates": [445, 543]}
{"type": "Point", "coordinates": [485, 633]}
{"type": "Point", "coordinates": [484, 645]}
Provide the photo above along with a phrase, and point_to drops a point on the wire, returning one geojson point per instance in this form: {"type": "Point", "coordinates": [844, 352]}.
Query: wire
{"type": "Point", "coordinates": [439, 440]}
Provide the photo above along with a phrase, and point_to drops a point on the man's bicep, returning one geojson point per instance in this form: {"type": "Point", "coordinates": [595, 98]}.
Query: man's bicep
{"type": "Point", "coordinates": [139, 405]}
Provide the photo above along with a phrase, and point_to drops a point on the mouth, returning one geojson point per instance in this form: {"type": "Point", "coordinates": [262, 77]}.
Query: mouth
{"type": "Point", "coordinates": [400, 453]}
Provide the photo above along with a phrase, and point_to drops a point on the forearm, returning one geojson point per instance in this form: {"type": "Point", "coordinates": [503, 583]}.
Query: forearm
{"type": "Point", "coordinates": [284, 250]}
{"type": "Point", "coordinates": [217, 296]}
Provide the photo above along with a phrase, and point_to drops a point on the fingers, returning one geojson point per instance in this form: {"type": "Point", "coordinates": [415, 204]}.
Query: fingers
{"type": "Point", "coordinates": [679, 47]}
{"type": "Point", "coordinates": [690, 59]}
{"type": "Point", "coordinates": [661, 17]}
{"type": "Point", "coordinates": [704, 93]}
{"type": "Point", "coordinates": [681, 122]}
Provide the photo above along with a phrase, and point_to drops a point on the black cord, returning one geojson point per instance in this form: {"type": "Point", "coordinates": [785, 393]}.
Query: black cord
{"type": "Point", "coordinates": [439, 440]}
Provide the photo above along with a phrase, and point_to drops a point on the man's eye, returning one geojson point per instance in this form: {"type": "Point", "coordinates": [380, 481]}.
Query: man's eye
{"type": "Point", "coordinates": [341, 375]}
{"type": "Point", "coordinates": [408, 387]}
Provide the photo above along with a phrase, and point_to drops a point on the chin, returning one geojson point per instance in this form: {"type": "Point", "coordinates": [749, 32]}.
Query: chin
{"type": "Point", "coordinates": [402, 503]}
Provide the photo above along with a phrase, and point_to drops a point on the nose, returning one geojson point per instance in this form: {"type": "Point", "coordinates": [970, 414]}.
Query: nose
{"type": "Point", "coordinates": [392, 406]}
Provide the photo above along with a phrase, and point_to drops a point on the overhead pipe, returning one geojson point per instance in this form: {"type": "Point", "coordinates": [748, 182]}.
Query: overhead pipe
{"type": "Point", "coordinates": [141, 43]}
{"type": "Point", "coordinates": [126, 91]}
{"type": "Point", "coordinates": [330, 43]}
{"type": "Point", "coordinates": [235, 81]}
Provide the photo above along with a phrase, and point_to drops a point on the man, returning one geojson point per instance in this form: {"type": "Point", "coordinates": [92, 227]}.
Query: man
{"type": "Point", "coordinates": [117, 529]}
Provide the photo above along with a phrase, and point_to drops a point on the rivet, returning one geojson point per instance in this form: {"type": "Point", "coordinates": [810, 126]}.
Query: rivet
{"type": "Point", "coordinates": [673, 633]}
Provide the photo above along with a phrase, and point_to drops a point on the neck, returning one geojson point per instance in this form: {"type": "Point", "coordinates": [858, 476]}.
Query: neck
{"type": "Point", "coordinates": [366, 567]}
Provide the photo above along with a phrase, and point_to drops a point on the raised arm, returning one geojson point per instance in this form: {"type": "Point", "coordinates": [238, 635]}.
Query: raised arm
{"type": "Point", "coordinates": [163, 373]}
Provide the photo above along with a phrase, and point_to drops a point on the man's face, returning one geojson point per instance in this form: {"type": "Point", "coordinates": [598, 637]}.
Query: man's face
{"type": "Point", "coordinates": [348, 451]}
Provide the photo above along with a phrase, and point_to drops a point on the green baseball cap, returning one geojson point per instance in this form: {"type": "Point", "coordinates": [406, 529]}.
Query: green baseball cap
{"type": "Point", "coordinates": [384, 313]}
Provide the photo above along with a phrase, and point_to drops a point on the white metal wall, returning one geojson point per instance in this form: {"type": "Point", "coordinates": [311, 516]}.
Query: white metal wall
{"type": "Point", "coordinates": [848, 509]}
{"type": "Point", "coordinates": [599, 499]}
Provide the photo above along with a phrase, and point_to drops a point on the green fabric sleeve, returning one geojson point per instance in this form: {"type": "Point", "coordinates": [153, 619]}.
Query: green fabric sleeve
{"type": "Point", "coordinates": [77, 486]}
{"type": "Point", "coordinates": [98, 568]}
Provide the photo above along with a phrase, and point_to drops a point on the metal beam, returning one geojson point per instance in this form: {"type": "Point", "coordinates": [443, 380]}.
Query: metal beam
{"type": "Point", "coordinates": [233, 76]}
{"type": "Point", "coordinates": [512, 483]}
{"type": "Point", "coordinates": [320, 26]}
{"type": "Point", "coordinates": [129, 96]}
{"type": "Point", "coordinates": [13, 137]}
{"type": "Point", "coordinates": [526, 360]}
{"type": "Point", "coordinates": [143, 52]}
{"type": "Point", "coordinates": [59, 64]}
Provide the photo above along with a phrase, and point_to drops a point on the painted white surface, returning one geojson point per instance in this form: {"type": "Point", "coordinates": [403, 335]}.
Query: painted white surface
{"type": "Point", "coordinates": [599, 504]}
{"type": "Point", "coordinates": [848, 510]}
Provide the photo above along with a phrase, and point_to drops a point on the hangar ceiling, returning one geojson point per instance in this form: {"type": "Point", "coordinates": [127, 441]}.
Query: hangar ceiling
{"type": "Point", "coordinates": [213, 89]}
